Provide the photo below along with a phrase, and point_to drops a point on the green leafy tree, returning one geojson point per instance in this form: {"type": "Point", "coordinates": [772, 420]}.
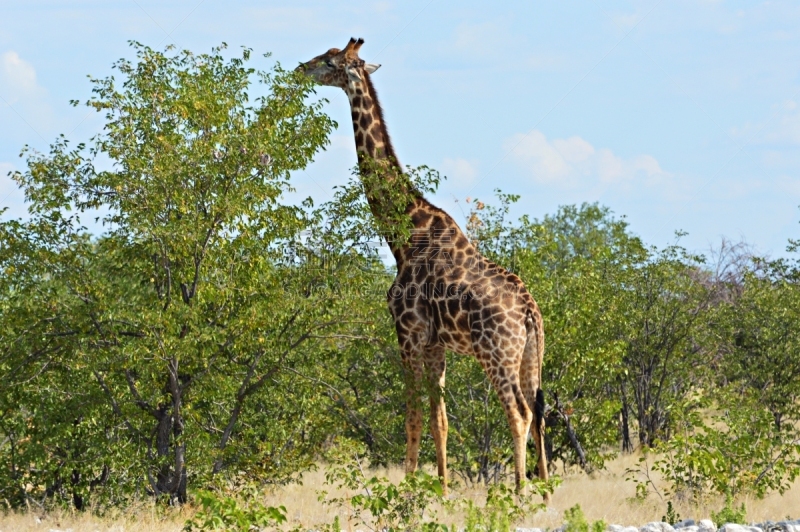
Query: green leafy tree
{"type": "Point", "coordinates": [763, 355]}
{"type": "Point", "coordinates": [736, 433]}
{"type": "Point", "coordinates": [666, 307]}
{"type": "Point", "coordinates": [158, 350]}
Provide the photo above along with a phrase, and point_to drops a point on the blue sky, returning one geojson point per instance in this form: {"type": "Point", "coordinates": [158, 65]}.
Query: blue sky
{"type": "Point", "coordinates": [680, 115]}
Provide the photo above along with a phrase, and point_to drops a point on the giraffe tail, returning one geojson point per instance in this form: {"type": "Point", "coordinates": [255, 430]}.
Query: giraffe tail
{"type": "Point", "coordinates": [531, 367]}
{"type": "Point", "coordinates": [538, 410]}
{"type": "Point", "coordinates": [531, 376]}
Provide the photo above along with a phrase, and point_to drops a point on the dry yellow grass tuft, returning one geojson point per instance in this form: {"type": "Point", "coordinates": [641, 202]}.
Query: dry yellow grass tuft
{"type": "Point", "coordinates": [603, 495]}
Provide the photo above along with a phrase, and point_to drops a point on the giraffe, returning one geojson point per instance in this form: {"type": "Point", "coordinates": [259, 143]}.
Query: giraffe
{"type": "Point", "coordinates": [445, 296]}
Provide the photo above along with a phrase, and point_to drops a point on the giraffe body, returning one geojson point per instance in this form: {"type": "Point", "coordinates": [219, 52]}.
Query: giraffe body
{"type": "Point", "coordinates": [446, 296]}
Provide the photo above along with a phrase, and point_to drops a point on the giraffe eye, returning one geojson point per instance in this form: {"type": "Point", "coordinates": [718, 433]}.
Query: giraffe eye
{"type": "Point", "coordinates": [329, 63]}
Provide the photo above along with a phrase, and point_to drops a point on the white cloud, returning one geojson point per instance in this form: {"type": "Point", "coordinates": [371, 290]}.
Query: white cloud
{"type": "Point", "coordinates": [574, 161]}
{"type": "Point", "coordinates": [17, 78]}
{"type": "Point", "coordinates": [19, 72]}
{"type": "Point", "coordinates": [460, 172]}
{"type": "Point", "coordinates": [20, 89]}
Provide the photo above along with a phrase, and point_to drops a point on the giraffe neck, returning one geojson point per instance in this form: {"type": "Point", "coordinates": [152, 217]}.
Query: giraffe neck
{"type": "Point", "coordinates": [434, 231]}
{"type": "Point", "coordinates": [378, 164]}
{"type": "Point", "coordinates": [369, 128]}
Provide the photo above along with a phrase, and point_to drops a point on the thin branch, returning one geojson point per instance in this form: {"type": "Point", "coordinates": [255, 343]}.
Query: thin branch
{"type": "Point", "coordinates": [788, 448]}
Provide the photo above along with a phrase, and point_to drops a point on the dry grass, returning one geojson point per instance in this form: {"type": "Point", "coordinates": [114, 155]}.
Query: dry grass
{"type": "Point", "coordinates": [603, 495]}
{"type": "Point", "coordinates": [607, 495]}
{"type": "Point", "coordinates": [143, 518]}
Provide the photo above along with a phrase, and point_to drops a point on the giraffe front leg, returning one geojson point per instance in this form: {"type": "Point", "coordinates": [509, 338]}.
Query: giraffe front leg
{"type": "Point", "coordinates": [435, 364]}
{"type": "Point", "coordinates": [413, 368]}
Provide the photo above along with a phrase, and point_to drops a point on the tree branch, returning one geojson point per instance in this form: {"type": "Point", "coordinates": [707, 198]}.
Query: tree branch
{"type": "Point", "coordinates": [114, 405]}
{"type": "Point", "coordinates": [141, 403]}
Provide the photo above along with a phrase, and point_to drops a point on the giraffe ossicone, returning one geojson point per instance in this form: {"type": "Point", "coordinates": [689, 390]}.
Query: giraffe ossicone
{"type": "Point", "coordinates": [446, 296]}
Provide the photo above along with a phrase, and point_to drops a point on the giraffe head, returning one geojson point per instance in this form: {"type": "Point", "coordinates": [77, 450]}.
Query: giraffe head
{"type": "Point", "coordinates": [339, 68]}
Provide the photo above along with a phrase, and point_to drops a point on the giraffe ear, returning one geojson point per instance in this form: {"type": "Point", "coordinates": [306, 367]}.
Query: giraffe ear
{"type": "Point", "coordinates": [371, 67]}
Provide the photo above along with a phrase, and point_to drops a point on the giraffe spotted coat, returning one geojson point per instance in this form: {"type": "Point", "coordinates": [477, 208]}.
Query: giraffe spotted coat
{"type": "Point", "coordinates": [446, 296]}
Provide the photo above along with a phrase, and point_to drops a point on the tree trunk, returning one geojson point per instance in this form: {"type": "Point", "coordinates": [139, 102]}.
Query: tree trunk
{"type": "Point", "coordinates": [573, 437]}
{"type": "Point", "coordinates": [171, 477]}
{"type": "Point", "coordinates": [627, 445]}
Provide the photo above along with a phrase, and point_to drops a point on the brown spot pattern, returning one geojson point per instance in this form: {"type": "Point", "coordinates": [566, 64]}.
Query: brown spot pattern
{"type": "Point", "coordinates": [446, 296]}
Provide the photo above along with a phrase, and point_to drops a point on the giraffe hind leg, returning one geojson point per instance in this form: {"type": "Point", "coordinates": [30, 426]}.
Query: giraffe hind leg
{"type": "Point", "coordinates": [519, 420]}
{"type": "Point", "coordinates": [435, 364]}
{"type": "Point", "coordinates": [505, 381]}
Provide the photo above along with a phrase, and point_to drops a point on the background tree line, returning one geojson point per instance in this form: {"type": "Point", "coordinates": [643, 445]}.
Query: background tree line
{"type": "Point", "coordinates": [214, 332]}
